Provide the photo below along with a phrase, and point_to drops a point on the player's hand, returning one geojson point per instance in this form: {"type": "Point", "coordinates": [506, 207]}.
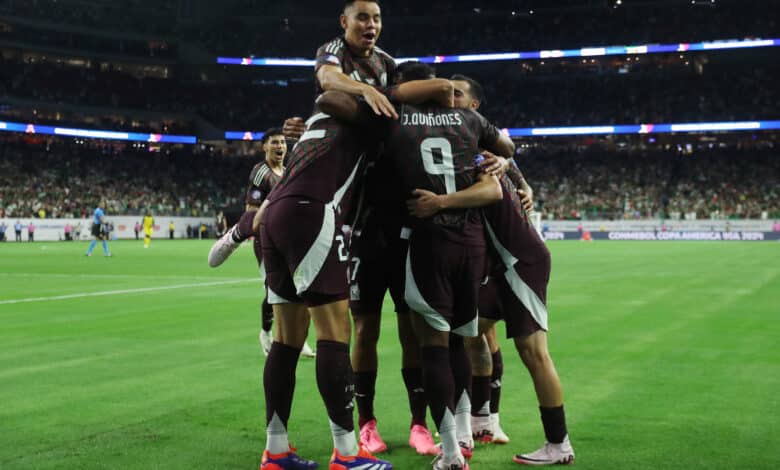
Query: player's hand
{"type": "Point", "coordinates": [294, 128]}
{"type": "Point", "coordinates": [379, 103]}
{"type": "Point", "coordinates": [493, 164]}
{"type": "Point", "coordinates": [424, 204]}
{"type": "Point", "coordinates": [526, 201]}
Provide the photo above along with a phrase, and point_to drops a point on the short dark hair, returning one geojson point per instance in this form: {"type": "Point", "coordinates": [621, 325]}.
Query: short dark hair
{"type": "Point", "coordinates": [349, 3]}
{"type": "Point", "coordinates": [475, 88]}
{"type": "Point", "coordinates": [270, 133]}
{"type": "Point", "coordinates": [414, 70]}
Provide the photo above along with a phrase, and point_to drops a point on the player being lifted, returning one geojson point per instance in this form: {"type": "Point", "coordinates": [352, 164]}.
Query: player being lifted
{"type": "Point", "coordinates": [517, 292]}
{"type": "Point", "coordinates": [432, 149]}
{"type": "Point", "coordinates": [262, 180]}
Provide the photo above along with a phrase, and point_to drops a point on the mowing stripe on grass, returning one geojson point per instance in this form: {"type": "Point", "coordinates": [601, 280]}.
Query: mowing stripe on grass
{"type": "Point", "coordinates": [123, 291]}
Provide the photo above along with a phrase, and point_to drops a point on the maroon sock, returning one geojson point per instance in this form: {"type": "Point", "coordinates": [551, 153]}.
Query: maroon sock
{"type": "Point", "coordinates": [279, 381]}
{"type": "Point", "coordinates": [413, 379]}
{"type": "Point", "coordinates": [335, 382]}
{"type": "Point", "coordinates": [437, 378]}
{"type": "Point", "coordinates": [495, 381]}
{"type": "Point", "coordinates": [365, 386]}
{"type": "Point", "coordinates": [461, 367]}
{"type": "Point", "coordinates": [244, 227]}
{"type": "Point", "coordinates": [554, 422]}
{"type": "Point", "coordinates": [480, 395]}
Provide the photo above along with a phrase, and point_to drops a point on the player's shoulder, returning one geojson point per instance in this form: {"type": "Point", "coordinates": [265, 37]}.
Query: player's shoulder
{"type": "Point", "coordinates": [383, 54]}
{"type": "Point", "coordinates": [333, 47]}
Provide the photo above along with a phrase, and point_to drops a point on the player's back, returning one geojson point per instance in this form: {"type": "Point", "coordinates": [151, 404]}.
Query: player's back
{"type": "Point", "coordinates": [325, 162]}
{"type": "Point", "coordinates": [509, 228]}
{"type": "Point", "coordinates": [433, 148]}
{"type": "Point", "coordinates": [148, 222]}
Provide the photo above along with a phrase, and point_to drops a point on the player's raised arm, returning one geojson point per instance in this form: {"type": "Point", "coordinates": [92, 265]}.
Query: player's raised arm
{"type": "Point", "coordinates": [487, 190]}
{"type": "Point", "coordinates": [439, 90]}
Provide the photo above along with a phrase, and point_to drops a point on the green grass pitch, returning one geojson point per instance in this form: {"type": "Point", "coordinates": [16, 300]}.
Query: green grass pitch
{"type": "Point", "coordinates": [669, 355]}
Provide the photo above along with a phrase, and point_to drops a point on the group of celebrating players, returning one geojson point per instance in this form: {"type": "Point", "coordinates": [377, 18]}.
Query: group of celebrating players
{"type": "Point", "coordinates": [396, 183]}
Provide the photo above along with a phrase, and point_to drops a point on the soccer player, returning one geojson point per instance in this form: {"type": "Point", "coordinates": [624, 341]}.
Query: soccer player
{"type": "Point", "coordinates": [432, 150]}
{"type": "Point", "coordinates": [355, 65]}
{"type": "Point", "coordinates": [486, 359]}
{"type": "Point", "coordinates": [262, 180]}
{"type": "Point", "coordinates": [307, 274]}
{"type": "Point", "coordinates": [519, 294]}
{"type": "Point", "coordinates": [148, 224]}
{"type": "Point", "coordinates": [98, 219]}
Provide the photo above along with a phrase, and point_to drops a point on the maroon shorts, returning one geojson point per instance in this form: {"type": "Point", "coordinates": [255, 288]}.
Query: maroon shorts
{"type": "Point", "coordinates": [304, 253]}
{"type": "Point", "coordinates": [442, 282]}
{"type": "Point", "coordinates": [375, 268]}
{"type": "Point", "coordinates": [518, 296]}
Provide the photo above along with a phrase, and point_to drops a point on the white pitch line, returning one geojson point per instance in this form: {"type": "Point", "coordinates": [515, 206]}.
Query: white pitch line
{"type": "Point", "coordinates": [123, 291]}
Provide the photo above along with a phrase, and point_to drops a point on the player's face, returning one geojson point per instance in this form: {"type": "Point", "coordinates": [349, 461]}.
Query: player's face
{"type": "Point", "coordinates": [463, 97]}
{"type": "Point", "coordinates": [275, 149]}
{"type": "Point", "coordinates": [362, 24]}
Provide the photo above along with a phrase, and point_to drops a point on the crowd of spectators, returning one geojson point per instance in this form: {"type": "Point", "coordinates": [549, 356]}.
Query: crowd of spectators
{"type": "Point", "coordinates": [66, 178]}
{"type": "Point", "coordinates": [576, 95]}
{"type": "Point", "coordinates": [596, 183]}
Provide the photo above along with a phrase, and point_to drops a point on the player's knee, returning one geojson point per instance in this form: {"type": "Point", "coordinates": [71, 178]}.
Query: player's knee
{"type": "Point", "coordinates": [366, 330]}
{"type": "Point", "coordinates": [533, 353]}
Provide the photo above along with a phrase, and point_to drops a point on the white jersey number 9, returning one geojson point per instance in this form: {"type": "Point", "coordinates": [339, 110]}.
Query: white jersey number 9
{"type": "Point", "coordinates": [446, 168]}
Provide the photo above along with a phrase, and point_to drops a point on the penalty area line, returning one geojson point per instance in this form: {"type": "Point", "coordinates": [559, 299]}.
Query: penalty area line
{"type": "Point", "coordinates": [124, 291]}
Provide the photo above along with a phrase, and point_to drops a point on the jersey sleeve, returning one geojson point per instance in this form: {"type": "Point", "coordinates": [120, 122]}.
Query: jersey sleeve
{"type": "Point", "coordinates": [331, 53]}
{"type": "Point", "coordinates": [488, 133]}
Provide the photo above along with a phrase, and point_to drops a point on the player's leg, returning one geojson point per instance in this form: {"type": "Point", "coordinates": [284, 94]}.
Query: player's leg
{"type": "Point", "coordinates": [496, 377]}
{"type": "Point", "coordinates": [536, 357]}
{"type": "Point", "coordinates": [335, 382]}
{"type": "Point", "coordinates": [420, 438]}
{"type": "Point", "coordinates": [95, 237]}
{"type": "Point", "coordinates": [227, 243]}
{"type": "Point", "coordinates": [482, 368]}
{"type": "Point", "coordinates": [365, 364]}
{"type": "Point", "coordinates": [292, 323]}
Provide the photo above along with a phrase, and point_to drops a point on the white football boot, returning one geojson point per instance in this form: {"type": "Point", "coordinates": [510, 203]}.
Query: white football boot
{"type": "Point", "coordinates": [549, 454]}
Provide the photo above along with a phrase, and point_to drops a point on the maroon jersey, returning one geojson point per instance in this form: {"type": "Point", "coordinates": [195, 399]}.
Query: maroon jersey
{"type": "Point", "coordinates": [377, 69]}
{"type": "Point", "coordinates": [509, 228]}
{"type": "Point", "coordinates": [262, 180]}
{"type": "Point", "coordinates": [433, 148]}
{"type": "Point", "coordinates": [325, 163]}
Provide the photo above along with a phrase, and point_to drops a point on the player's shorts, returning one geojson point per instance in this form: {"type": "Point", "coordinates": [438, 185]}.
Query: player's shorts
{"type": "Point", "coordinates": [304, 252]}
{"type": "Point", "coordinates": [148, 232]}
{"type": "Point", "coordinates": [374, 269]}
{"type": "Point", "coordinates": [518, 295]}
{"type": "Point", "coordinates": [442, 282]}
{"type": "Point", "coordinates": [96, 230]}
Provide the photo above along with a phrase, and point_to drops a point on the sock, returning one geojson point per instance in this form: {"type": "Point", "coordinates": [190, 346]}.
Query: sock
{"type": "Point", "coordinates": [244, 227]}
{"type": "Point", "coordinates": [495, 381]}
{"type": "Point", "coordinates": [365, 386]}
{"type": "Point", "coordinates": [91, 247]}
{"type": "Point", "coordinates": [461, 374]}
{"type": "Point", "coordinates": [147, 240]}
{"type": "Point", "coordinates": [105, 247]}
{"type": "Point", "coordinates": [480, 396]}
{"type": "Point", "coordinates": [279, 385]}
{"type": "Point", "coordinates": [554, 422]}
{"type": "Point", "coordinates": [413, 379]}
{"type": "Point", "coordinates": [335, 382]}
{"type": "Point", "coordinates": [439, 391]}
